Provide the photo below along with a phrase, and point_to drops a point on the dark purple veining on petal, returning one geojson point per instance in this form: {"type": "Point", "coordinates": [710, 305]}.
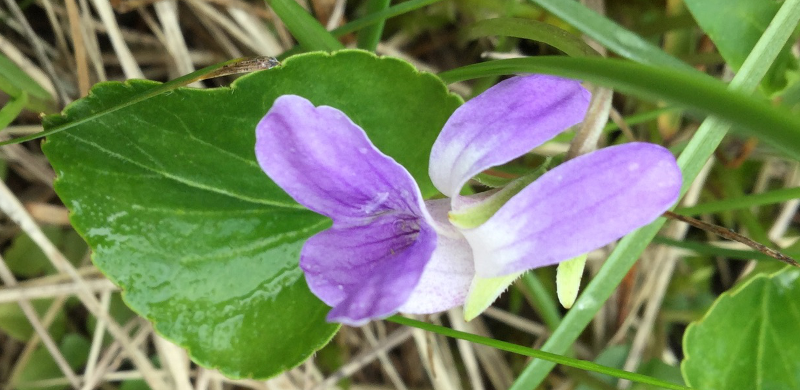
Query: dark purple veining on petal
{"type": "Point", "coordinates": [368, 263]}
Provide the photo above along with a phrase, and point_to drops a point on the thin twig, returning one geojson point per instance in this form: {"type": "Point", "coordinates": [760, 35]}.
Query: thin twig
{"type": "Point", "coordinates": [732, 235]}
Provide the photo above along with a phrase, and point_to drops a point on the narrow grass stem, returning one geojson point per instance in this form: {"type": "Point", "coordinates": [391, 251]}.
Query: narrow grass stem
{"type": "Point", "coordinates": [535, 353]}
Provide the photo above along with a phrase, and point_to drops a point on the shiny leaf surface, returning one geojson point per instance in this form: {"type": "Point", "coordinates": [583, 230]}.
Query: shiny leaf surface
{"type": "Point", "coordinates": [169, 195]}
{"type": "Point", "coordinates": [748, 339]}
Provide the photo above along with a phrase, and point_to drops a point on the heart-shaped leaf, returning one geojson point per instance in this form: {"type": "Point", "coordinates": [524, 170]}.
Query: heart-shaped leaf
{"type": "Point", "coordinates": [169, 196]}
{"type": "Point", "coordinates": [748, 339]}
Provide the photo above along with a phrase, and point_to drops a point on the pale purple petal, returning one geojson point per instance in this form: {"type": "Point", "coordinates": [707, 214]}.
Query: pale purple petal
{"type": "Point", "coordinates": [447, 276]}
{"type": "Point", "coordinates": [326, 162]}
{"type": "Point", "coordinates": [577, 207]}
{"type": "Point", "coordinates": [503, 123]}
{"type": "Point", "coordinates": [367, 272]}
{"type": "Point", "coordinates": [368, 263]}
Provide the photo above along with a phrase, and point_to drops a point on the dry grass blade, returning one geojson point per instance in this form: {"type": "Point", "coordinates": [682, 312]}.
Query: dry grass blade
{"type": "Point", "coordinates": [596, 118]}
{"type": "Point", "coordinates": [14, 209]}
{"type": "Point", "coordinates": [30, 313]}
{"type": "Point", "coordinates": [365, 357]}
{"type": "Point", "coordinates": [167, 12]}
{"type": "Point", "coordinates": [13, 294]}
{"type": "Point", "coordinates": [465, 348]}
{"type": "Point", "coordinates": [129, 65]}
{"type": "Point", "coordinates": [386, 363]}
{"type": "Point", "coordinates": [80, 48]}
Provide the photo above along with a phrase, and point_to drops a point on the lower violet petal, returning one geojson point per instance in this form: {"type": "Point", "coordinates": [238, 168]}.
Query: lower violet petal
{"type": "Point", "coordinates": [577, 207]}
{"type": "Point", "coordinates": [367, 272]}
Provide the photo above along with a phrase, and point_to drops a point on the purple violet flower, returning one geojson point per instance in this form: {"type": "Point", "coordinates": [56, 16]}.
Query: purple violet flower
{"type": "Point", "coordinates": [389, 250]}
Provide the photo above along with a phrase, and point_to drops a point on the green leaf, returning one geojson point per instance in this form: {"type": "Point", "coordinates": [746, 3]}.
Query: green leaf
{"type": "Point", "coordinates": [752, 116]}
{"type": "Point", "coordinates": [748, 339]}
{"type": "Point", "coordinates": [735, 26]}
{"type": "Point", "coordinates": [171, 199]}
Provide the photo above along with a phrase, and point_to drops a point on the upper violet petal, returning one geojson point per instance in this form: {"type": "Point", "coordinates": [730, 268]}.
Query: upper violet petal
{"type": "Point", "coordinates": [367, 272]}
{"type": "Point", "coordinates": [503, 123]}
{"type": "Point", "coordinates": [577, 207]}
{"type": "Point", "coordinates": [326, 162]}
{"type": "Point", "coordinates": [445, 282]}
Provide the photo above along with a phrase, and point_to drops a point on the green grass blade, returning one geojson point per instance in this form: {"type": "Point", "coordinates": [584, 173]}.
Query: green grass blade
{"type": "Point", "coordinates": [642, 117]}
{"type": "Point", "coordinates": [753, 117]}
{"type": "Point", "coordinates": [15, 82]}
{"type": "Point", "coordinates": [544, 302]}
{"type": "Point", "coordinates": [163, 88]}
{"type": "Point", "coordinates": [609, 34]}
{"type": "Point", "coordinates": [765, 198]}
{"type": "Point", "coordinates": [307, 30]}
{"type": "Point", "coordinates": [11, 110]}
{"type": "Point", "coordinates": [380, 16]}
{"type": "Point", "coordinates": [525, 351]}
{"type": "Point", "coordinates": [691, 161]}
{"type": "Point", "coordinates": [16, 76]}
{"type": "Point", "coordinates": [369, 20]}
{"type": "Point", "coordinates": [369, 37]}
{"type": "Point", "coordinates": [562, 40]}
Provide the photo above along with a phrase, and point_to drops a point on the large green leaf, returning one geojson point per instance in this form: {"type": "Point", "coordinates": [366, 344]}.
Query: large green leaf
{"type": "Point", "coordinates": [735, 26]}
{"type": "Point", "coordinates": [748, 339]}
{"type": "Point", "coordinates": [168, 194]}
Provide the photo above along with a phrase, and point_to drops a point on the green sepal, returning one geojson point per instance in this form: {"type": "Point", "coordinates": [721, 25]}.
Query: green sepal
{"type": "Point", "coordinates": [568, 280]}
{"type": "Point", "coordinates": [484, 291]}
{"type": "Point", "coordinates": [474, 215]}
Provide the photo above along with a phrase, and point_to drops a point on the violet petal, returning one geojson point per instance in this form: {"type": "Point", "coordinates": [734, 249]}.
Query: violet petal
{"type": "Point", "coordinates": [447, 277]}
{"type": "Point", "coordinates": [577, 207]}
{"type": "Point", "coordinates": [503, 123]}
{"type": "Point", "coordinates": [326, 162]}
{"type": "Point", "coordinates": [367, 272]}
{"type": "Point", "coordinates": [368, 263]}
